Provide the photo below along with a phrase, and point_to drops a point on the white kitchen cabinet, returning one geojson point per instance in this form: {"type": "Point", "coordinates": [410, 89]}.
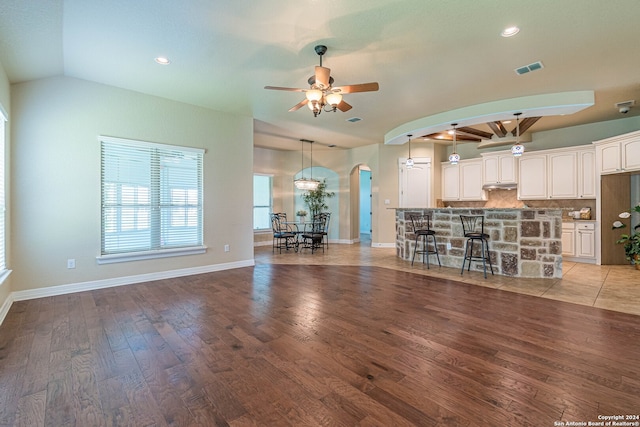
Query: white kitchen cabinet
{"type": "Point", "coordinates": [563, 175]}
{"type": "Point", "coordinates": [499, 168]}
{"type": "Point", "coordinates": [630, 151]}
{"type": "Point", "coordinates": [471, 180]}
{"type": "Point", "coordinates": [450, 182]}
{"type": "Point", "coordinates": [463, 181]}
{"type": "Point", "coordinates": [532, 177]}
{"type": "Point", "coordinates": [585, 240]}
{"type": "Point", "coordinates": [587, 174]}
{"type": "Point", "coordinates": [618, 154]}
{"type": "Point", "coordinates": [579, 241]}
{"type": "Point", "coordinates": [568, 239]}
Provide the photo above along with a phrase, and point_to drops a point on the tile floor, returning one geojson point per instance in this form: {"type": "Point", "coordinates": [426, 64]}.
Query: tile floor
{"type": "Point", "coordinates": [612, 287]}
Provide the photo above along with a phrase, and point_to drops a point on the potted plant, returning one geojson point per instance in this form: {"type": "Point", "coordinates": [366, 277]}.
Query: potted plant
{"type": "Point", "coordinates": [301, 214]}
{"type": "Point", "coordinates": [316, 199]}
{"type": "Point", "coordinates": [630, 241]}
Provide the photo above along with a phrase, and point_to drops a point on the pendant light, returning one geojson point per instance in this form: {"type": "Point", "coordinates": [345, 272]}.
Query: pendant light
{"type": "Point", "coordinates": [303, 183]}
{"type": "Point", "coordinates": [409, 162]}
{"type": "Point", "coordinates": [454, 157]}
{"type": "Point", "coordinates": [518, 148]}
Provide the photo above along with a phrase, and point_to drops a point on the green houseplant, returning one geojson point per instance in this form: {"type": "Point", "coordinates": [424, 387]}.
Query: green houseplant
{"type": "Point", "coordinates": [316, 199]}
{"type": "Point", "coordinates": [630, 241]}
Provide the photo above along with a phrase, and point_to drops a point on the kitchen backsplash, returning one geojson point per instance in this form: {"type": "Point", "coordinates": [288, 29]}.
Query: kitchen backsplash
{"type": "Point", "coordinates": [509, 199]}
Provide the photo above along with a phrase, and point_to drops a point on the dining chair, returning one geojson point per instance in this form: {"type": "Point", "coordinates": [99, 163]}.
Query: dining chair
{"type": "Point", "coordinates": [283, 235]}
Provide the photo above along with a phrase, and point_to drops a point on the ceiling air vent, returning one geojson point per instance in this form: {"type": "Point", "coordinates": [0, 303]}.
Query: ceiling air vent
{"type": "Point", "coordinates": [528, 68]}
{"type": "Point", "coordinates": [354, 119]}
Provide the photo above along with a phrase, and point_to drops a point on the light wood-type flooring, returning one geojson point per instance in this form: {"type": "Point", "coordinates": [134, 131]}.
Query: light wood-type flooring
{"type": "Point", "coordinates": [349, 337]}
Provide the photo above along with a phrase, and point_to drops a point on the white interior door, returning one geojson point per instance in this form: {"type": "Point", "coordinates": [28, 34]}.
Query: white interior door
{"type": "Point", "coordinates": [414, 183]}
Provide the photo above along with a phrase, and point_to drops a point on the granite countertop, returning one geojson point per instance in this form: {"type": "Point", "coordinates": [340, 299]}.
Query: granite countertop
{"type": "Point", "coordinates": [486, 209]}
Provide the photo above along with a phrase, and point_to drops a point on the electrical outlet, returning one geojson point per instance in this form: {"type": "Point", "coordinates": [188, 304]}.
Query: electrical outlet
{"type": "Point", "coordinates": [226, 248]}
{"type": "Point", "coordinates": [71, 263]}
{"type": "Point", "coordinates": [448, 245]}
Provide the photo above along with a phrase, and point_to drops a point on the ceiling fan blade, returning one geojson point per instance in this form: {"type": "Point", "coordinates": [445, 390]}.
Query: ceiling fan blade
{"type": "Point", "coordinates": [299, 105]}
{"type": "Point", "coordinates": [322, 76]}
{"type": "Point", "coordinates": [363, 87]}
{"type": "Point", "coordinates": [344, 106]}
{"type": "Point", "coordinates": [291, 89]}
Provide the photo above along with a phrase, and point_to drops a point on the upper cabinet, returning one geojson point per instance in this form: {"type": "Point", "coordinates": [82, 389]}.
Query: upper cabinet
{"type": "Point", "coordinates": [587, 174]}
{"type": "Point", "coordinates": [450, 182]}
{"type": "Point", "coordinates": [471, 180]}
{"type": "Point", "coordinates": [499, 168]}
{"type": "Point", "coordinates": [532, 176]}
{"type": "Point", "coordinates": [618, 154]}
{"type": "Point", "coordinates": [462, 181]}
{"type": "Point", "coordinates": [563, 173]}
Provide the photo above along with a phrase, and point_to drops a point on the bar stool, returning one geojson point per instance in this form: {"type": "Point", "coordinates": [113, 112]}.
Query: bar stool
{"type": "Point", "coordinates": [422, 229]}
{"type": "Point", "coordinates": [473, 230]}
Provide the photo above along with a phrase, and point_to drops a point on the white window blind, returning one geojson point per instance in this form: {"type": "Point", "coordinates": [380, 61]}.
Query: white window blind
{"type": "Point", "coordinates": [151, 196]}
{"type": "Point", "coordinates": [262, 201]}
{"type": "Point", "coordinates": [3, 263]}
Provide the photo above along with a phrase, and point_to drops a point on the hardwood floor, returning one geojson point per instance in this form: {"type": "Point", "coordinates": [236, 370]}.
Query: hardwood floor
{"type": "Point", "coordinates": [305, 345]}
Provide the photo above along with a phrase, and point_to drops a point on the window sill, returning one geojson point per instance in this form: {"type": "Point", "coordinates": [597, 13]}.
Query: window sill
{"type": "Point", "coordinates": [138, 256]}
{"type": "Point", "coordinates": [3, 275]}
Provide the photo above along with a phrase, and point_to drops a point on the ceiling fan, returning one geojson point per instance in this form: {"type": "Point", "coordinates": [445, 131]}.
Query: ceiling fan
{"type": "Point", "coordinates": [322, 96]}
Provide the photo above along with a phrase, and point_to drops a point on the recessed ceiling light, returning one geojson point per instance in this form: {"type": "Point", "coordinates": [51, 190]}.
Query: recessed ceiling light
{"type": "Point", "coordinates": [162, 60]}
{"type": "Point", "coordinates": [510, 31]}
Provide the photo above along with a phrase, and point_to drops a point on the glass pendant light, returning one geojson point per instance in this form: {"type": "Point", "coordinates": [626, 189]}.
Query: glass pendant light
{"type": "Point", "coordinates": [454, 157]}
{"type": "Point", "coordinates": [303, 183]}
{"type": "Point", "coordinates": [518, 148]}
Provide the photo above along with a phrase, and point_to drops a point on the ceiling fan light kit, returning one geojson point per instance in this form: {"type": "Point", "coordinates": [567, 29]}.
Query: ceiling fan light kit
{"type": "Point", "coordinates": [322, 96]}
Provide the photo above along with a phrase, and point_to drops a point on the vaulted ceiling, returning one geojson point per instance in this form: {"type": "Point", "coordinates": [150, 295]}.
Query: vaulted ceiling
{"type": "Point", "coordinates": [428, 56]}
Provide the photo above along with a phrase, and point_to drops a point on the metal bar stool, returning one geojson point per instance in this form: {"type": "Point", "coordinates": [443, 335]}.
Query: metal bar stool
{"type": "Point", "coordinates": [473, 230]}
{"type": "Point", "coordinates": [422, 229]}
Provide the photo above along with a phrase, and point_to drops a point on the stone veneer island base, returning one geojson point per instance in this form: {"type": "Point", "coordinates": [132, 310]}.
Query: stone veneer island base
{"type": "Point", "coordinates": [523, 242]}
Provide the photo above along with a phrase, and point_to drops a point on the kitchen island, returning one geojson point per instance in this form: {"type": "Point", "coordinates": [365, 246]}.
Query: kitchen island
{"type": "Point", "coordinates": [523, 242]}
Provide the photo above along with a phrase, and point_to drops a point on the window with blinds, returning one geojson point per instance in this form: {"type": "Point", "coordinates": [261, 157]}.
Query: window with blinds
{"type": "Point", "coordinates": [151, 197]}
{"type": "Point", "coordinates": [3, 263]}
{"type": "Point", "coordinates": [262, 201]}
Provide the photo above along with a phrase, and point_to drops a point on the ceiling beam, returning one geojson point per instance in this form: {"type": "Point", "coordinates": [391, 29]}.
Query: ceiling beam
{"type": "Point", "coordinates": [475, 132]}
{"type": "Point", "coordinates": [444, 136]}
{"type": "Point", "coordinates": [498, 128]}
{"type": "Point", "coordinates": [525, 124]}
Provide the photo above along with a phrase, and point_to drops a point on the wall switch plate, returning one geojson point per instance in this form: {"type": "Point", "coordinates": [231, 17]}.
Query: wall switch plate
{"type": "Point", "coordinates": [448, 246]}
{"type": "Point", "coordinates": [226, 248]}
{"type": "Point", "coordinates": [71, 263]}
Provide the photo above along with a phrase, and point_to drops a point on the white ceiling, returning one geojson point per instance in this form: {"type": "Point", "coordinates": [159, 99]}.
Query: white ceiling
{"type": "Point", "coordinates": [429, 56]}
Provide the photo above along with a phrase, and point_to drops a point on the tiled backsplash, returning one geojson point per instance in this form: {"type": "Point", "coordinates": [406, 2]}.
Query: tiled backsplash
{"type": "Point", "coordinates": [509, 199]}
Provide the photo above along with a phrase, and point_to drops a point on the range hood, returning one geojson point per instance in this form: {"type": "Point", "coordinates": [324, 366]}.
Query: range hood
{"type": "Point", "coordinates": [500, 186]}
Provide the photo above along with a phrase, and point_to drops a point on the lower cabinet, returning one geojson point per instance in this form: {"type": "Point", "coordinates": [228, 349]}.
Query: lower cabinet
{"type": "Point", "coordinates": [568, 239]}
{"type": "Point", "coordinates": [579, 241]}
{"type": "Point", "coordinates": [585, 240]}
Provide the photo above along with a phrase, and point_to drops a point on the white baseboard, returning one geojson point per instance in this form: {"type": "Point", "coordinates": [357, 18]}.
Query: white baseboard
{"type": "Point", "coordinates": [5, 307]}
{"type": "Point", "coordinates": [383, 245]}
{"type": "Point", "coordinates": [116, 281]}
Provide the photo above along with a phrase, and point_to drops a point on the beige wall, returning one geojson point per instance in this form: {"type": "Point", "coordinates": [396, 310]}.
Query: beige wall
{"type": "Point", "coordinates": [56, 177]}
